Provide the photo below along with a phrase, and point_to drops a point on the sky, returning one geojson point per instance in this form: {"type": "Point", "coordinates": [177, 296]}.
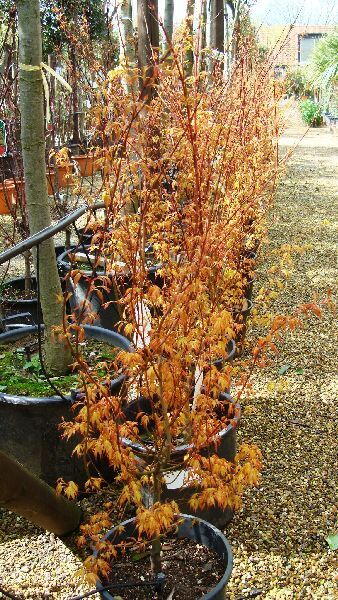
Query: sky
{"type": "Point", "coordinates": [305, 12]}
{"type": "Point", "coordinates": [279, 12]}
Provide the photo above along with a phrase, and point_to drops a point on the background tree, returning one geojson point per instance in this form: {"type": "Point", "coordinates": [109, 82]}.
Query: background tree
{"type": "Point", "coordinates": [148, 45]}
{"type": "Point", "coordinates": [55, 38]}
{"type": "Point", "coordinates": [33, 152]}
{"type": "Point", "coordinates": [126, 31]}
{"type": "Point", "coordinates": [168, 21]}
{"type": "Point", "coordinates": [217, 25]}
{"type": "Point", "coordinates": [324, 67]}
{"type": "Point", "coordinates": [189, 19]}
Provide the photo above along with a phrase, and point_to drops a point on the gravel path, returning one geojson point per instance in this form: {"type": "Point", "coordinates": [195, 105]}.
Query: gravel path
{"type": "Point", "coordinates": [278, 538]}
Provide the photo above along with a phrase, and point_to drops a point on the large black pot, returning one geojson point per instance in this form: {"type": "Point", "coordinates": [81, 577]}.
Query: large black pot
{"type": "Point", "coordinates": [192, 528]}
{"type": "Point", "coordinates": [29, 426]}
{"type": "Point", "coordinates": [107, 316]}
{"type": "Point", "coordinates": [241, 317]}
{"type": "Point", "coordinates": [175, 490]}
{"type": "Point", "coordinates": [15, 306]}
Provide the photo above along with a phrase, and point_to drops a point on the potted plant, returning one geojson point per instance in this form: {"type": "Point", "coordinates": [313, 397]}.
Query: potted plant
{"type": "Point", "coordinates": [175, 412]}
{"type": "Point", "coordinates": [87, 164]}
{"type": "Point", "coordinates": [31, 401]}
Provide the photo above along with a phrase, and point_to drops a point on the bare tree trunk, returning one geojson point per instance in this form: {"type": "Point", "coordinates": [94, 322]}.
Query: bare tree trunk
{"type": "Point", "coordinates": [148, 45]}
{"type": "Point", "coordinates": [190, 27]}
{"type": "Point", "coordinates": [4, 61]}
{"type": "Point", "coordinates": [76, 138]}
{"type": "Point", "coordinates": [33, 150]}
{"type": "Point", "coordinates": [168, 22]}
{"type": "Point", "coordinates": [126, 35]}
{"type": "Point", "coordinates": [227, 41]}
{"type": "Point", "coordinates": [217, 25]}
{"type": "Point", "coordinates": [236, 12]}
{"type": "Point", "coordinates": [28, 496]}
{"type": "Point", "coordinates": [202, 42]}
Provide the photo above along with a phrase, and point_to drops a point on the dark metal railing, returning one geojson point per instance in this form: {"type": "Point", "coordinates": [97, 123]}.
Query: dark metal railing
{"type": "Point", "coordinates": [47, 233]}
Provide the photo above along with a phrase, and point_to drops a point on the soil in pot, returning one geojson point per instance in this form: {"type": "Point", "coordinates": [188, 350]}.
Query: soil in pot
{"type": "Point", "coordinates": [22, 375]}
{"type": "Point", "coordinates": [29, 425]}
{"type": "Point", "coordinates": [15, 299]}
{"type": "Point", "coordinates": [196, 562]}
{"type": "Point", "coordinates": [190, 570]}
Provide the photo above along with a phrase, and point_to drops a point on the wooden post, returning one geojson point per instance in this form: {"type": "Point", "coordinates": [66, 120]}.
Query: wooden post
{"type": "Point", "coordinates": [28, 496]}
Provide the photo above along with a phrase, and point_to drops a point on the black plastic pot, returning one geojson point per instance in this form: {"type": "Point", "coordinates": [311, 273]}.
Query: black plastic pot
{"type": "Point", "coordinates": [248, 288]}
{"type": "Point", "coordinates": [241, 317]}
{"type": "Point", "coordinates": [85, 235]}
{"type": "Point", "coordinates": [107, 316]}
{"type": "Point", "coordinates": [192, 528]}
{"type": "Point", "coordinates": [226, 449]}
{"type": "Point", "coordinates": [29, 426]}
{"type": "Point", "coordinates": [219, 364]}
{"type": "Point", "coordinates": [14, 306]}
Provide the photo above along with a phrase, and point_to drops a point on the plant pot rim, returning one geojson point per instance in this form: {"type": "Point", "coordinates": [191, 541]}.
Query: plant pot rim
{"type": "Point", "coordinates": [182, 449]}
{"type": "Point", "coordinates": [12, 281]}
{"type": "Point", "coordinates": [193, 521]}
{"type": "Point", "coordinates": [91, 331]}
{"type": "Point", "coordinates": [66, 264]}
{"type": "Point", "coordinates": [244, 311]}
{"type": "Point", "coordinates": [84, 156]}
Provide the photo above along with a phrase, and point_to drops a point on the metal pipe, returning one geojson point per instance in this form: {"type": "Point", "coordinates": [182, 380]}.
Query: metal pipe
{"type": "Point", "coordinates": [46, 233]}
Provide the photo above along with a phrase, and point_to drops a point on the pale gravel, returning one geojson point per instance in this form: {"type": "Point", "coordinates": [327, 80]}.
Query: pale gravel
{"type": "Point", "coordinates": [278, 538]}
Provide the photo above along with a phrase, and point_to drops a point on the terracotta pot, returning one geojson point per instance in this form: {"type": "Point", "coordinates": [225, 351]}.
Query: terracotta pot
{"type": "Point", "coordinates": [7, 196]}
{"type": "Point", "coordinates": [50, 174]}
{"type": "Point", "coordinates": [64, 173]}
{"type": "Point", "coordinates": [87, 164]}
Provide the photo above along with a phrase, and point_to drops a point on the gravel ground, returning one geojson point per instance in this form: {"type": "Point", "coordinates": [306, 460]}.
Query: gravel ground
{"type": "Point", "coordinates": [278, 538]}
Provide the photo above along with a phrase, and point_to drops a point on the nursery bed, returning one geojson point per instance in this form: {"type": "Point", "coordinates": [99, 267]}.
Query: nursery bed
{"type": "Point", "coordinates": [278, 538]}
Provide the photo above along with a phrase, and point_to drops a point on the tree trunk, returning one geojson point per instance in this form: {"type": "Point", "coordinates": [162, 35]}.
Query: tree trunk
{"type": "Point", "coordinates": [202, 42]}
{"type": "Point", "coordinates": [168, 22]}
{"type": "Point", "coordinates": [126, 34]}
{"type": "Point", "coordinates": [217, 25]}
{"type": "Point", "coordinates": [227, 41]}
{"type": "Point", "coordinates": [235, 29]}
{"type": "Point", "coordinates": [28, 496]}
{"type": "Point", "coordinates": [33, 150]}
{"type": "Point", "coordinates": [216, 29]}
{"type": "Point", "coordinates": [76, 138]}
{"type": "Point", "coordinates": [190, 29]}
{"type": "Point", "coordinates": [4, 62]}
{"type": "Point", "coordinates": [148, 45]}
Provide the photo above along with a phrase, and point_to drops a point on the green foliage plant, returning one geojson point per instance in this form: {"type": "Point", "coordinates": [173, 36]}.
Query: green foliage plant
{"type": "Point", "coordinates": [311, 113]}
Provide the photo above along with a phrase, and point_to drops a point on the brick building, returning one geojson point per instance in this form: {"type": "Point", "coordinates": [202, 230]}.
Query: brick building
{"type": "Point", "coordinates": [291, 45]}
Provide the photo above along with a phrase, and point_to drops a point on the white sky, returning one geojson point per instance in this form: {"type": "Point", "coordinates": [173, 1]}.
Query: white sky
{"type": "Point", "coordinates": [280, 12]}
{"type": "Point", "coordinates": [276, 12]}
{"type": "Point", "coordinates": [305, 12]}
